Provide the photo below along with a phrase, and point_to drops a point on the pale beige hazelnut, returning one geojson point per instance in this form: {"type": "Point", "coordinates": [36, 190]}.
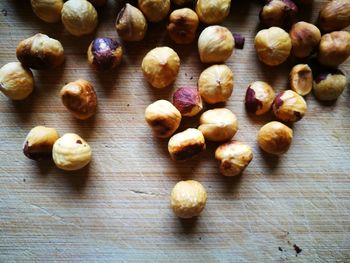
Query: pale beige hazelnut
{"type": "Point", "coordinates": [47, 10]}
{"type": "Point", "coordinates": [329, 84]}
{"type": "Point", "coordinates": [300, 79]}
{"type": "Point", "coordinates": [213, 11]}
{"type": "Point", "coordinates": [334, 15]}
{"type": "Point", "coordinates": [218, 124]}
{"type": "Point", "coordinates": [259, 97]}
{"type": "Point", "coordinates": [16, 81]}
{"type": "Point", "coordinates": [215, 84]}
{"type": "Point", "coordinates": [155, 10]}
{"type": "Point", "coordinates": [188, 198]}
{"type": "Point", "coordinates": [234, 157]}
{"type": "Point", "coordinates": [289, 106]}
{"type": "Point", "coordinates": [71, 152]}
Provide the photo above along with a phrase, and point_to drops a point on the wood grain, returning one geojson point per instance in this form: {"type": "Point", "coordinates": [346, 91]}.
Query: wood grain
{"type": "Point", "coordinates": [117, 209]}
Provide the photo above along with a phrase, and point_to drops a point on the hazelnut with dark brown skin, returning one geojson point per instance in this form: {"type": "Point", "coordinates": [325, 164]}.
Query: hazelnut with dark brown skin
{"type": "Point", "coordinates": [329, 84]}
{"type": "Point", "coordinates": [289, 106]}
{"type": "Point", "coordinates": [259, 97]}
{"type": "Point", "coordinates": [278, 13]}
{"type": "Point", "coordinates": [188, 101]}
{"type": "Point", "coordinates": [335, 15]}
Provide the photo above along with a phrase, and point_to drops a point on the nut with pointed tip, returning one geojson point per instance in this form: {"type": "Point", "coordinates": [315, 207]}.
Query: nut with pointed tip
{"type": "Point", "coordinates": [335, 15]}
{"type": "Point", "coordinates": [300, 79]}
{"type": "Point", "coordinates": [188, 101]}
{"type": "Point", "coordinates": [259, 97]}
{"type": "Point", "coordinates": [329, 84]}
{"type": "Point", "coordinates": [213, 12]}
{"type": "Point", "coordinates": [47, 10]}
{"type": "Point", "coordinates": [289, 106]}
{"type": "Point", "coordinates": [155, 10]}
{"type": "Point", "coordinates": [278, 13]}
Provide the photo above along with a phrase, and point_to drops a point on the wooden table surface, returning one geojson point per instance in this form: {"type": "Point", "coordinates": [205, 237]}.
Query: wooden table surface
{"type": "Point", "coordinates": [117, 209]}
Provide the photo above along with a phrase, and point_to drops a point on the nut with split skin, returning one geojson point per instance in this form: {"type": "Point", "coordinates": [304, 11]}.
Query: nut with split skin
{"type": "Point", "coordinates": [300, 79]}
{"type": "Point", "coordinates": [155, 10]}
{"type": "Point", "coordinates": [47, 10]}
{"type": "Point", "coordinates": [289, 106]}
{"type": "Point", "coordinates": [188, 101]}
{"type": "Point", "coordinates": [213, 11]}
{"type": "Point", "coordinates": [329, 84]}
{"type": "Point", "coordinates": [259, 97]}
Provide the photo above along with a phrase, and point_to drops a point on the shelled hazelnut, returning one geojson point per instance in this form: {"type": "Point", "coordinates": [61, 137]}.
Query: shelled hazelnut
{"type": "Point", "coordinates": [259, 97]}
{"type": "Point", "coordinates": [47, 10]}
{"type": "Point", "coordinates": [329, 84]}
{"type": "Point", "coordinates": [300, 79]}
{"type": "Point", "coordinates": [213, 12]}
{"type": "Point", "coordinates": [188, 101]}
{"type": "Point", "coordinates": [289, 106]}
{"type": "Point", "coordinates": [335, 15]}
{"type": "Point", "coordinates": [155, 10]}
{"type": "Point", "coordinates": [98, 3]}
{"type": "Point", "coordinates": [278, 13]}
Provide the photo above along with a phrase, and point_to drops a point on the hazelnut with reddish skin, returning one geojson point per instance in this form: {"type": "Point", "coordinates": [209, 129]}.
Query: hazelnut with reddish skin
{"type": "Point", "coordinates": [213, 12]}
{"type": "Point", "coordinates": [335, 15]}
{"type": "Point", "coordinates": [259, 97]}
{"type": "Point", "coordinates": [155, 10]}
{"type": "Point", "coordinates": [188, 101]}
{"type": "Point", "coordinates": [104, 53]}
{"type": "Point", "coordinates": [329, 84]}
{"type": "Point", "coordinates": [278, 13]}
{"type": "Point", "coordinates": [300, 79]}
{"type": "Point", "coordinates": [289, 106]}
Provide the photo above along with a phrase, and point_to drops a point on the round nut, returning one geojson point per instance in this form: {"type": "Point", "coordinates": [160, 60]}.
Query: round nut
{"type": "Point", "coordinates": [163, 118]}
{"type": "Point", "coordinates": [215, 44]}
{"type": "Point", "coordinates": [16, 81]}
{"type": "Point", "coordinates": [47, 10]}
{"type": "Point", "coordinates": [335, 15]}
{"type": "Point", "coordinates": [188, 101]}
{"type": "Point", "coordinates": [155, 10]}
{"type": "Point", "coordinates": [234, 157]}
{"type": "Point", "coordinates": [188, 199]}
{"type": "Point", "coordinates": [259, 97]}
{"type": "Point", "coordinates": [273, 46]}
{"type": "Point", "coordinates": [213, 12]}
{"type": "Point", "coordinates": [39, 142]}
{"type": "Point", "coordinates": [79, 17]}
{"type": "Point", "coordinates": [289, 106]}
{"type": "Point", "coordinates": [185, 145]}
{"type": "Point", "coordinates": [329, 84]}
{"type": "Point", "coordinates": [218, 124]}
{"type": "Point", "coordinates": [278, 13]}
{"type": "Point", "coordinates": [300, 79]}
{"type": "Point", "coordinates": [71, 152]}
{"type": "Point", "coordinates": [104, 53]}
{"type": "Point", "coordinates": [160, 66]}
{"type": "Point", "coordinates": [275, 137]}
{"type": "Point", "coordinates": [98, 3]}
{"type": "Point", "coordinates": [80, 99]}
{"type": "Point", "coordinates": [40, 52]}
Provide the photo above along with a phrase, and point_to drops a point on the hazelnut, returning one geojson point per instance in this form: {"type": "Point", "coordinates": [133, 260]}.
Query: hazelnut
{"type": "Point", "coordinates": [40, 52]}
{"type": "Point", "coordinates": [160, 66]}
{"type": "Point", "coordinates": [273, 46]}
{"type": "Point", "coordinates": [305, 39]}
{"type": "Point", "coordinates": [300, 79]}
{"type": "Point", "coordinates": [181, 2]}
{"type": "Point", "coordinates": [278, 13]}
{"type": "Point", "coordinates": [234, 157]}
{"type": "Point", "coordinates": [335, 15]}
{"type": "Point", "coordinates": [80, 99]}
{"type": "Point", "coordinates": [98, 3]}
{"type": "Point", "coordinates": [163, 118]}
{"type": "Point", "coordinates": [79, 17]}
{"type": "Point", "coordinates": [215, 44]}
{"type": "Point", "coordinates": [131, 24]}
{"type": "Point", "coordinates": [188, 101]}
{"type": "Point", "coordinates": [155, 10]}
{"type": "Point", "coordinates": [104, 53]}
{"type": "Point", "coordinates": [187, 144]}
{"type": "Point", "coordinates": [213, 11]}
{"type": "Point", "coordinates": [215, 84]}
{"type": "Point", "coordinates": [275, 137]}
{"type": "Point", "coordinates": [329, 84]}
{"type": "Point", "coordinates": [16, 81]}
{"type": "Point", "coordinates": [259, 97]}
{"type": "Point", "coordinates": [182, 27]}
{"type": "Point", "coordinates": [71, 152]}
{"type": "Point", "coordinates": [334, 48]}
{"type": "Point", "coordinates": [39, 142]}
{"type": "Point", "coordinates": [47, 10]}
{"type": "Point", "coordinates": [188, 198]}
{"type": "Point", "coordinates": [218, 124]}
{"type": "Point", "coordinates": [289, 106]}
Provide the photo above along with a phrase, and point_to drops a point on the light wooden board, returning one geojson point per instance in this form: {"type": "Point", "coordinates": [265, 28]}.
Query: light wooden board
{"type": "Point", "coordinates": [117, 209]}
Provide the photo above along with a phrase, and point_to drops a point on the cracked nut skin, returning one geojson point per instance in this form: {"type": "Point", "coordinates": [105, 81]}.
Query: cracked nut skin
{"type": "Point", "coordinates": [155, 10]}
{"type": "Point", "coordinates": [335, 15]}
{"type": "Point", "coordinates": [163, 118]}
{"type": "Point", "coordinates": [40, 52]}
{"type": "Point", "coordinates": [71, 152]}
{"type": "Point", "coordinates": [80, 99]}
{"type": "Point", "coordinates": [104, 54]}
{"type": "Point", "coordinates": [39, 142]}
{"type": "Point", "coordinates": [188, 101]}
{"type": "Point", "coordinates": [218, 125]}
{"type": "Point", "coordinates": [160, 66]}
{"type": "Point", "coordinates": [47, 10]}
{"type": "Point", "coordinates": [289, 106]}
{"type": "Point", "coordinates": [329, 84]}
{"type": "Point", "coordinates": [213, 12]}
{"type": "Point", "coordinates": [259, 97]}
{"type": "Point", "coordinates": [273, 46]}
{"type": "Point", "coordinates": [182, 27]}
{"type": "Point", "coordinates": [188, 199]}
{"type": "Point", "coordinates": [79, 17]}
{"type": "Point", "coordinates": [275, 138]}
{"type": "Point", "coordinates": [185, 145]}
{"type": "Point", "coordinates": [16, 81]}
{"type": "Point", "coordinates": [234, 157]}
{"type": "Point", "coordinates": [280, 13]}
{"type": "Point", "coordinates": [215, 84]}
{"type": "Point", "coordinates": [300, 79]}
{"type": "Point", "coordinates": [131, 24]}
{"type": "Point", "coordinates": [98, 3]}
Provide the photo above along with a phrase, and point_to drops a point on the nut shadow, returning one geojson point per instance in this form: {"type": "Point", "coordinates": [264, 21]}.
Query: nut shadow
{"type": "Point", "coordinates": [188, 225]}
{"type": "Point", "coordinates": [231, 183]}
{"type": "Point", "coordinates": [77, 180]}
{"type": "Point", "coordinates": [271, 160]}
{"type": "Point", "coordinates": [85, 128]}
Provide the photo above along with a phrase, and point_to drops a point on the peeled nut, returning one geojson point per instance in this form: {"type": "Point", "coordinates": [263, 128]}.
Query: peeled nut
{"type": "Point", "coordinates": [188, 101]}
{"type": "Point", "coordinates": [213, 11]}
{"type": "Point", "coordinates": [329, 84]}
{"type": "Point", "coordinates": [71, 152]}
{"type": "Point", "coordinates": [234, 157]}
{"type": "Point", "coordinates": [160, 66]}
{"type": "Point", "coordinates": [80, 99]}
{"type": "Point", "coordinates": [300, 79]}
{"type": "Point", "coordinates": [289, 106]}
{"type": "Point", "coordinates": [259, 97]}
{"type": "Point", "coordinates": [185, 145]}
{"type": "Point", "coordinates": [218, 124]}
{"type": "Point", "coordinates": [182, 27]}
{"type": "Point", "coordinates": [163, 118]}
{"type": "Point", "coordinates": [79, 17]}
{"type": "Point", "coordinates": [181, 2]}
{"type": "Point", "coordinates": [98, 3]}
{"type": "Point", "coordinates": [39, 142]}
{"type": "Point", "coordinates": [16, 81]}
{"type": "Point", "coordinates": [335, 15]}
{"type": "Point", "coordinates": [215, 44]}
{"type": "Point", "coordinates": [47, 10]}
{"type": "Point", "coordinates": [155, 10]}
{"type": "Point", "coordinates": [188, 199]}
{"type": "Point", "coordinates": [104, 53]}
{"type": "Point", "coordinates": [40, 52]}
{"type": "Point", "coordinates": [215, 84]}
{"type": "Point", "coordinates": [278, 13]}
{"type": "Point", "coordinates": [131, 24]}
{"type": "Point", "coordinates": [275, 138]}
{"type": "Point", "coordinates": [273, 46]}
